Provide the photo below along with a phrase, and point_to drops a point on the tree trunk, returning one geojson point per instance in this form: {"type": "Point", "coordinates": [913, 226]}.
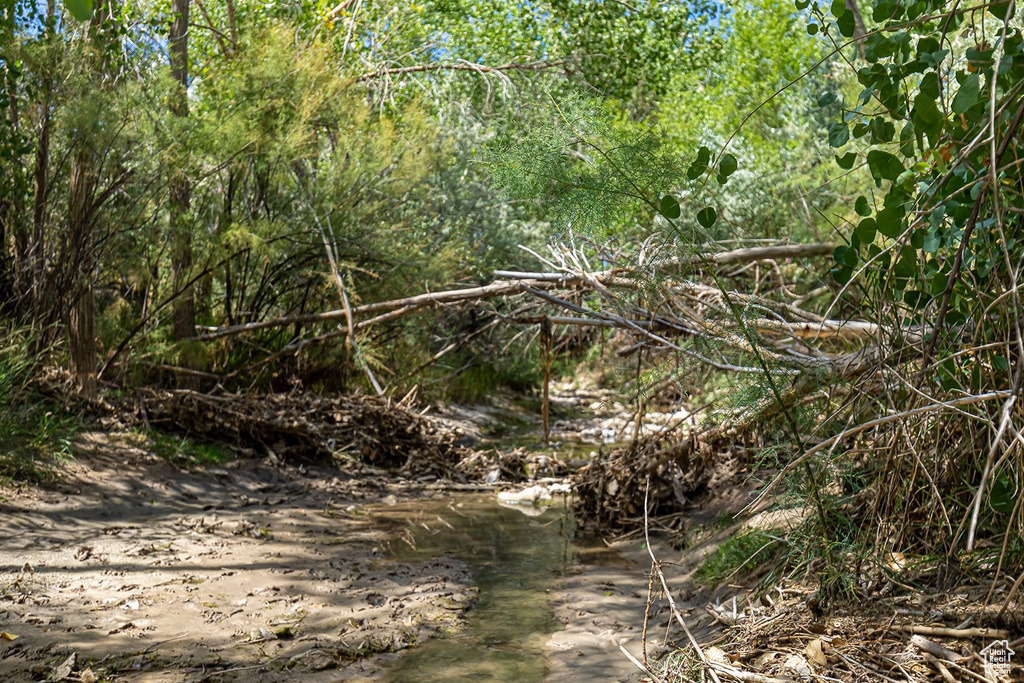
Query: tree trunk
{"type": "Point", "coordinates": [81, 321]}
{"type": "Point", "coordinates": [41, 188]}
{"type": "Point", "coordinates": [180, 192]}
{"type": "Point", "coordinates": [82, 361]}
{"type": "Point", "coordinates": [232, 28]}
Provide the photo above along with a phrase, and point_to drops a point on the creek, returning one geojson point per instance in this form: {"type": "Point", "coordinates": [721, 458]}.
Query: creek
{"type": "Point", "coordinates": [515, 555]}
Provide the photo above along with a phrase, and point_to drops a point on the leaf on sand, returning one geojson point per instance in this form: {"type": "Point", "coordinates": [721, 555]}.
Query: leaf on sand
{"type": "Point", "coordinates": [4, 635]}
{"type": "Point", "coordinates": [814, 652]}
{"type": "Point", "coordinates": [64, 670]}
{"type": "Point", "coordinates": [798, 665]}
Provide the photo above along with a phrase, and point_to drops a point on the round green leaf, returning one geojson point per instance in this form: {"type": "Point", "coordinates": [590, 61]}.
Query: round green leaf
{"type": "Point", "coordinates": [727, 166]}
{"type": "Point", "coordinates": [968, 94]}
{"type": "Point", "coordinates": [884, 166]}
{"type": "Point", "coordinates": [889, 222]}
{"type": "Point", "coordinates": [862, 207]}
{"type": "Point", "coordinates": [826, 99]}
{"type": "Point", "coordinates": [845, 256]}
{"type": "Point", "coordinates": [707, 216]}
{"type": "Point", "coordinates": [838, 134]}
{"type": "Point", "coordinates": [866, 230]}
{"type": "Point", "coordinates": [846, 161]}
{"type": "Point", "coordinates": [669, 207]}
{"type": "Point", "coordinates": [80, 9]}
{"type": "Point", "coordinates": [1003, 497]}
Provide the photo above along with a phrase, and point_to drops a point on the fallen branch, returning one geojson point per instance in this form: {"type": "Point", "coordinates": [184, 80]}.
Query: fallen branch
{"type": "Point", "coordinates": [954, 632]}
{"type": "Point", "coordinates": [934, 649]}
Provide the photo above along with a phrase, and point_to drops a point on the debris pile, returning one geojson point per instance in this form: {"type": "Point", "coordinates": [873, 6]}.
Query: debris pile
{"type": "Point", "coordinates": [371, 431]}
{"type": "Point", "coordinates": [785, 636]}
{"type": "Point", "coordinates": [515, 465]}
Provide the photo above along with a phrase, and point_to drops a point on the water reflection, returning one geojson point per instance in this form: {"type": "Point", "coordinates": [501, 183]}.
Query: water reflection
{"type": "Point", "coordinates": [514, 559]}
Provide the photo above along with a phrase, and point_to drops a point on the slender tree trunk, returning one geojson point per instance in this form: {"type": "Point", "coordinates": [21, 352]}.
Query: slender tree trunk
{"type": "Point", "coordinates": [180, 191]}
{"type": "Point", "coordinates": [81, 321]}
{"type": "Point", "coordinates": [232, 29]}
{"type": "Point", "coordinates": [41, 188]}
{"type": "Point", "coordinates": [9, 195]}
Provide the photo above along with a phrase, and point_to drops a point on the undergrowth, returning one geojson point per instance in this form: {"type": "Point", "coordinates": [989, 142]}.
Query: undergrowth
{"type": "Point", "coordinates": [187, 453]}
{"type": "Point", "coordinates": [35, 434]}
{"type": "Point", "coordinates": [738, 553]}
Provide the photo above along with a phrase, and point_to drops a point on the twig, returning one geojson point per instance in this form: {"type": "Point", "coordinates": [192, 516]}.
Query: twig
{"type": "Point", "coordinates": [934, 649]}
{"type": "Point", "coordinates": [941, 667]}
{"type": "Point", "coordinates": [479, 68]}
{"type": "Point", "coordinates": [640, 665]}
{"type": "Point", "coordinates": [745, 676]}
{"type": "Point", "coordinates": [668, 591]}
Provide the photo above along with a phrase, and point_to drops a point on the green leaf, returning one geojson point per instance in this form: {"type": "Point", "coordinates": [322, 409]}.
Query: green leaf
{"type": "Point", "coordinates": [862, 207]}
{"type": "Point", "coordinates": [669, 207]}
{"type": "Point", "coordinates": [842, 274]}
{"type": "Point", "coordinates": [700, 164]}
{"type": "Point", "coordinates": [727, 166]}
{"type": "Point", "coordinates": [826, 99]}
{"type": "Point", "coordinates": [838, 134]}
{"type": "Point", "coordinates": [889, 221]}
{"type": "Point", "coordinates": [838, 8]}
{"type": "Point", "coordinates": [845, 256]}
{"type": "Point", "coordinates": [846, 24]}
{"type": "Point", "coordinates": [927, 117]}
{"type": "Point", "coordinates": [907, 265]}
{"type": "Point", "coordinates": [881, 130]}
{"type": "Point", "coordinates": [802, 4]}
{"type": "Point", "coordinates": [80, 9]}
{"type": "Point", "coordinates": [968, 94]}
{"type": "Point", "coordinates": [866, 230]}
{"type": "Point", "coordinates": [707, 216]}
{"type": "Point", "coordinates": [884, 166]}
{"type": "Point", "coordinates": [1000, 9]}
{"type": "Point", "coordinates": [812, 29]}
{"type": "Point", "coordinates": [846, 161]}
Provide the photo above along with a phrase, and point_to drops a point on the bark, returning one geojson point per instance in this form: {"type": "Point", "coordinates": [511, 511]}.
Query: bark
{"type": "Point", "coordinates": [81, 321]}
{"type": "Point", "coordinates": [232, 28]}
{"type": "Point", "coordinates": [179, 190]}
{"type": "Point", "coordinates": [41, 189]}
{"type": "Point", "coordinates": [82, 203]}
{"type": "Point", "coordinates": [859, 31]}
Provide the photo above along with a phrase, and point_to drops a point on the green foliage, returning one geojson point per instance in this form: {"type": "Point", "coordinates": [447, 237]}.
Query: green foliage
{"type": "Point", "coordinates": [35, 433]}
{"type": "Point", "coordinates": [740, 552]}
{"type": "Point", "coordinates": [187, 453]}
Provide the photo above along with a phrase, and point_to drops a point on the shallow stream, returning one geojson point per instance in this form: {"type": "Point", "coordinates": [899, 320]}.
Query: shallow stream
{"type": "Point", "coordinates": [514, 558]}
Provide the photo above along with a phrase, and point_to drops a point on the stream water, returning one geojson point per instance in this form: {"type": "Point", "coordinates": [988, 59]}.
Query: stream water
{"type": "Point", "coordinates": [514, 559]}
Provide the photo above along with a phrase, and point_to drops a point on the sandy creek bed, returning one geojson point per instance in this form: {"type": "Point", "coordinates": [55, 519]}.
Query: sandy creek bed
{"type": "Point", "coordinates": [261, 572]}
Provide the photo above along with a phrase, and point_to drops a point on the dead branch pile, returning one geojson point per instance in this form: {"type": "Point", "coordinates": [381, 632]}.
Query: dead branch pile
{"type": "Point", "coordinates": [681, 465]}
{"type": "Point", "coordinates": [516, 465]}
{"type": "Point", "coordinates": [308, 426]}
{"type": "Point", "coordinates": [610, 492]}
{"type": "Point", "coordinates": [787, 635]}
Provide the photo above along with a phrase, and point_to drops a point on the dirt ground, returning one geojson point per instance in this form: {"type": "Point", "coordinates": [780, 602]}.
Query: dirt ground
{"type": "Point", "coordinates": [150, 573]}
{"type": "Point", "coordinates": [253, 571]}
